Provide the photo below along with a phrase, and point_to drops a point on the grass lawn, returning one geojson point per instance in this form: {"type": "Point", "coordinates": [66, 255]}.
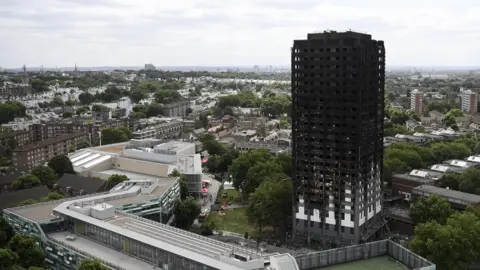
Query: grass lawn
{"type": "Point", "coordinates": [231, 193]}
{"type": "Point", "coordinates": [233, 221]}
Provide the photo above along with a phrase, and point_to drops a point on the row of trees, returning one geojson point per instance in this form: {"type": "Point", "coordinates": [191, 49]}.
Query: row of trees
{"type": "Point", "coordinates": [11, 109]}
{"type": "Point", "coordinates": [272, 105]}
{"type": "Point", "coordinates": [52, 196]}
{"type": "Point", "coordinates": [45, 175]}
{"type": "Point", "coordinates": [468, 181]}
{"type": "Point", "coordinates": [449, 239]}
{"type": "Point", "coordinates": [116, 135]}
{"type": "Point", "coordinates": [401, 157]}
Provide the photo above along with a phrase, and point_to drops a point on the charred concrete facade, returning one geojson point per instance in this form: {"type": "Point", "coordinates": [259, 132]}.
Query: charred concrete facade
{"type": "Point", "coordinates": [338, 108]}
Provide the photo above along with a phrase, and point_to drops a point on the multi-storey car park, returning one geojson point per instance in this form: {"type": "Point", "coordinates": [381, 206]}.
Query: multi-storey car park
{"type": "Point", "coordinates": [100, 226]}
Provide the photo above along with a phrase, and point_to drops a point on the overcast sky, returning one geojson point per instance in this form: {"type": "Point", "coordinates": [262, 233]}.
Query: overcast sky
{"type": "Point", "coordinates": [227, 32]}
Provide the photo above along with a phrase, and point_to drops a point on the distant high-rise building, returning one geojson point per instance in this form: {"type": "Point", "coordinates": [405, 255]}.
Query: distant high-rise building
{"type": "Point", "coordinates": [416, 101]}
{"type": "Point", "coordinates": [469, 102]}
{"type": "Point", "coordinates": [338, 81]}
{"type": "Point", "coordinates": [150, 67]}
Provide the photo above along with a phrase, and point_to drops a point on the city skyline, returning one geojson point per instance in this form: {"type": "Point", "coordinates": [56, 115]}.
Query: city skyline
{"type": "Point", "coordinates": [255, 32]}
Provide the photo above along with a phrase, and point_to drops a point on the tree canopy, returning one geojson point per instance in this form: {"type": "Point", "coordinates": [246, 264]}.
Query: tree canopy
{"type": "Point", "coordinates": [167, 96]}
{"type": "Point", "coordinates": [11, 109]}
{"type": "Point", "coordinates": [115, 135]}
{"type": "Point", "coordinates": [270, 203]}
{"type": "Point", "coordinates": [431, 208]}
{"type": "Point", "coordinates": [88, 264]}
{"type": "Point", "coordinates": [402, 156]}
{"type": "Point", "coordinates": [26, 181]}
{"type": "Point", "coordinates": [46, 175]}
{"type": "Point", "coordinates": [453, 245]}
{"type": "Point", "coordinates": [27, 249]}
{"type": "Point", "coordinates": [61, 164]}
{"type": "Point", "coordinates": [185, 212]}
{"type": "Point", "coordinates": [116, 179]}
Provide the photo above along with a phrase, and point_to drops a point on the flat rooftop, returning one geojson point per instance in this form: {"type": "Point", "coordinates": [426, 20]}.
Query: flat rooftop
{"type": "Point", "coordinates": [116, 148]}
{"type": "Point", "coordinates": [172, 146]}
{"type": "Point", "coordinates": [449, 194]}
{"type": "Point", "coordinates": [102, 252]}
{"type": "Point", "coordinates": [43, 211]}
{"type": "Point", "coordinates": [377, 263]}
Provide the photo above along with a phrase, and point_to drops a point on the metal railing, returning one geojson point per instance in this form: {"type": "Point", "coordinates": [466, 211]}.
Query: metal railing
{"type": "Point", "coordinates": [361, 252]}
{"type": "Point", "coordinates": [85, 254]}
{"type": "Point", "coordinates": [56, 201]}
{"type": "Point", "coordinates": [194, 235]}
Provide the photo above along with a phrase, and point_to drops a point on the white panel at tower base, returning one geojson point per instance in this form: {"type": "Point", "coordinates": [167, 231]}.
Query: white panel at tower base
{"type": "Point", "coordinates": [102, 211]}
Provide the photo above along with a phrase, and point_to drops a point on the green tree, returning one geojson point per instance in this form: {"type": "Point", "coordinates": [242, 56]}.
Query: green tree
{"type": "Point", "coordinates": [214, 147]}
{"type": "Point", "coordinates": [450, 180]}
{"type": "Point", "coordinates": [167, 96]}
{"type": "Point", "coordinates": [11, 109]}
{"type": "Point", "coordinates": [69, 102]}
{"type": "Point", "coordinates": [7, 259]}
{"type": "Point", "coordinates": [398, 117]}
{"type": "Point", "coordinates": [276, 105]}
{"type": "Point", "coordinates": [113, 135]}
{"type": "Point", "coordinates": [52, 196]}
{"type": "Point", "coordinates": [452, 246]}
{"type": "Point", "coordinates": [227, 159]}
{"type": "Point", "coordinates": [28, 250]}
{"type": "Point", "coordinates": [39, 85]}
{"type": "Point", "coordinates": [86, 98]}
{"type": "Point", "coordinates": [185, 212]}
{"type": "Point", "coordinates": [276, 198]}
{"type": "Point", "coordinates": [100, 108]}
{"type": "Point", "coordinates": [260, 172]}
{"type": "Point", "coordinates": [455, 113]}
{"type": "Point", "coordinates": [183, 187]}
{"type": "Point", "coordinates": [67, 114]}
{"type": "Point", "coordinates": [213, 163]}
{"type": "Point", "coordinates": [439, 105]}
{"type": "Point", "coordinates": [26, 181]}
{"type": "Point", "coordinates": [449, 120]}
{"type": "Point", "coordinates": [88, 264]}
{"type": "Point", "coordinates": [154, 109]}
{"type": "Point", "coordinates": [469, 181]}
{"type": "Point", "coordinates": [61, 164]}
{"type": "Point", "coordinates": [116, 179]}
{"type": "Point", "coordinates": [46, 175]}
{"type": "Point", "coordinates": [137, 95]}
{"type": "Point", "coordinates": [175, 173]}
{"type": "Point", "coordinates": [127, 132]}
{"type": "Point", "coordinates": [285, 161]}
{"type": "Point", "coordinates": [6, 232]}
{"type": "Point", "coordinates": [409, 157]}
{"type": "Point", "coordinates": [27, 202]}
{"type": "Point", "coordinates": [431, 208]}
{"type": "Point", "coordinates": [80, 111]}
{"type": "Point", "coordinates": [241, 165]}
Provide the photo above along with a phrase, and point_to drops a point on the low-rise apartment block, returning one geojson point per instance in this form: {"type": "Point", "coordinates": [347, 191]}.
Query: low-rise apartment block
{"type": "Point", "coordinates": [176, 109]}
{"type": "Point", "coordinates": [20, 138]}
{"type": "Point", "coordinates": [40, 132]}
{"type": "Point", "coordinates": [34, 154]}
{"type": "Point", "coordinates": [164, 130]}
